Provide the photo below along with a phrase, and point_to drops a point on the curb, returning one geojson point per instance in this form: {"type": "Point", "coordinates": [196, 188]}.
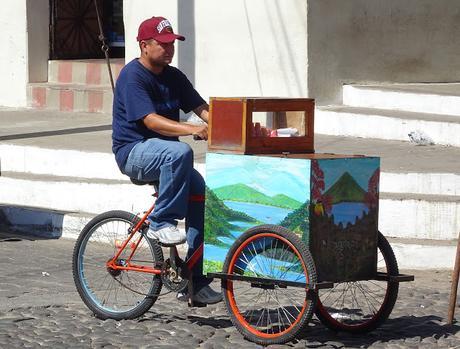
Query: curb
{"type": "Point", "coordinates": [40, 223]}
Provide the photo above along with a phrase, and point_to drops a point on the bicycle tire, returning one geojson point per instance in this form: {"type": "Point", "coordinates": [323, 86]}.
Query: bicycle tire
{"type": "Point", "coordinates": [129, 294]}
{"type": "Point", "coordinates": [342, 319]}
{"type": "Point", "coordinates": [276, 254]}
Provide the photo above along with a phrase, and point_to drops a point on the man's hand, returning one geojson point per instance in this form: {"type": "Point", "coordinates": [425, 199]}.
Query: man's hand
{"type": "Point", "coordinates": [200, 131]}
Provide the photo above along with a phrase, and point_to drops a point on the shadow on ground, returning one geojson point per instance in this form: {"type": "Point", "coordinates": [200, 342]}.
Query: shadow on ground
{"type": "Point", "coordinates": [19, 222]}
{"type": "Point", "coordinates": [405, 328]}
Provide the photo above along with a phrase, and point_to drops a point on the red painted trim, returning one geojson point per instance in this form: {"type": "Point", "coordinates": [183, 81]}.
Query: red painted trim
{"type": "Point", "coordinates": [93, 73]}
{"type": "Point", "coordinates": [195, 256]}
{"type": "Point", "coordinates": [196, 198]}
{"type": "Point", "coordinates": [66, 100]}
{"type": "Point", "coordinates": [65, 72]}
{"type": "Point", "coordinates": [39, 97]}
{"type": "Point", "coordinates": [95, 101]}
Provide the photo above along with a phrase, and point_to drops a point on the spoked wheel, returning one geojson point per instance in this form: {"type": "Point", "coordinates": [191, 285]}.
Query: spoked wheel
{"type": "Point", "coordinates": [110, 293]}
{"type": "Point", "coordinates": [268, 298]}
{"type": "Point", "coordinates": [361, 306]}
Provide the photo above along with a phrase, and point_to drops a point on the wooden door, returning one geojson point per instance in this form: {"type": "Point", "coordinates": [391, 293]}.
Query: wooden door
{"type": "Point", "coordinates": [74, 30]}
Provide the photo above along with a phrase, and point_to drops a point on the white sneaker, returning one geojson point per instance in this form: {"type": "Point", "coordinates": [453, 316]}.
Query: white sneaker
{"type": "Point", "coordinates": [168, 235]}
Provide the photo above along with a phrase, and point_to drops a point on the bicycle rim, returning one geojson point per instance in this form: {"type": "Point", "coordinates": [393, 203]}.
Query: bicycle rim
{"type": "Point", "coordinates": [269, 313]}
{"type": "Point", "coordinates": [123, 293]}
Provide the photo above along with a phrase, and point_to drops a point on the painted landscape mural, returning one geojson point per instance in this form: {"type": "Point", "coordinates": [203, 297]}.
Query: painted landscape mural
{"type": "Point", "coordinates": [245, 191]}
{"type": "Point", "coordinates": [344, 217]}
{"type": "Point", "coordinates": [331, 204]}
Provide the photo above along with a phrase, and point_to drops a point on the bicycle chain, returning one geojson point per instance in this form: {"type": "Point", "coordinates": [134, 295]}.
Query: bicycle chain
{"type": "Point", "coordinates": [140, 293]}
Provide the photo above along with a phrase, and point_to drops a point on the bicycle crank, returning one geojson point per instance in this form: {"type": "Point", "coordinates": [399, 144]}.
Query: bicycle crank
{"type": "Point", "coordinates": [175, 275]}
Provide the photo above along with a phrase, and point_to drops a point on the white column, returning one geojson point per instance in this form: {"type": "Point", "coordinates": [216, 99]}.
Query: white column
{"type": "Point", "coordinates": [13, 55]}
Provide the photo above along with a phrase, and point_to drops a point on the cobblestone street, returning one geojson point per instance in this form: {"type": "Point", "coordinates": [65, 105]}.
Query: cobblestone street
{"type": "Point", "coordinates": [39, 307]}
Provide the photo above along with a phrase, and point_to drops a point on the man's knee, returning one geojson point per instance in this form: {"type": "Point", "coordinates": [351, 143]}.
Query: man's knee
{"type": "Point", "coordinates": [181, 152]}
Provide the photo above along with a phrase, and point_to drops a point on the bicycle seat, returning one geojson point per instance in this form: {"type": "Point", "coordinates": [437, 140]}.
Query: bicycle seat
{"type": "Point", "coordinates": [156, 184]}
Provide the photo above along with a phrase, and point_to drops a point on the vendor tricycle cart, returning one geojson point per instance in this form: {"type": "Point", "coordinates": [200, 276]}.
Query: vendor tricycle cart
{"type": "Point", "coordinates": [288, 231]}
{"type": "Point", "coordinates": [313, 242]}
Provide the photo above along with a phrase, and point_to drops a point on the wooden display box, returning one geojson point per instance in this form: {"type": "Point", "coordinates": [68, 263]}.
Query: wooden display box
{"type": "Point", "coordinates": [261, 125]}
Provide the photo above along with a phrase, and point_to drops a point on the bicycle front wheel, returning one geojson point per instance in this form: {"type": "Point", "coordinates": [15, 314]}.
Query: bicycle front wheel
{"type": "Point", "coordinates": [108, 293]}
{"type": "Point", "coordinates": [361, 306]}
{"type": "Point", "coordinates": [267, 293]}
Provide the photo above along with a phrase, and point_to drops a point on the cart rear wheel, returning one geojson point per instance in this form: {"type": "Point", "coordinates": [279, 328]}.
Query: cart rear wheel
{"type": "Point", "coordinates": [361, 306]}
{"type": "Point", "coordinates": [268, 300]}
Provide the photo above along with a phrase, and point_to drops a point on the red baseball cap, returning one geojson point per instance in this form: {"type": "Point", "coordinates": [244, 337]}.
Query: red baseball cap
{"type": "Point", "coordinates": [157, 28]}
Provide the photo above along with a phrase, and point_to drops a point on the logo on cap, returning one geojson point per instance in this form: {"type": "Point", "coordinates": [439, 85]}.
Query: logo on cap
{"type": "Point", "coordinates": [163, 24]}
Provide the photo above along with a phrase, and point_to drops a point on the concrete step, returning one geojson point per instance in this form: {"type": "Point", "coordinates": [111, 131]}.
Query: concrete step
{"type": "Point", "coordinates": [73, 194]}
{"type": "Point", "coordinates": [78, 146]}
{"type": "Point", "coordinates": [101, 165]}
{"type": "Point", "coordinates": [386, 124]}
{"type": "Point", "coordinates": [419, 216]}
{"type": "Point", "coordinates": [88, 71]}
{"type": "Point", "coordinates": [412, 253]}
{"type": "Point", "coordinates": [401, 214]}
{"type": "Point", "coordinates": [435, 98]}
{"type": "Point", "coordinates": [70, 97]}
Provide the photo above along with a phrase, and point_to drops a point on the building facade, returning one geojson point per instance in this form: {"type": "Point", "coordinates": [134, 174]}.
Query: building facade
{"type": "Point", "coordinates": [294, 48]}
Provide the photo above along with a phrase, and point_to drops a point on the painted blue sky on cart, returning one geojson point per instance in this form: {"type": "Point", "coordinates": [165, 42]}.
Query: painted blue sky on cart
{"type": "Point", "coordinates": [268, 175]}
{"type": "Point", "coordinates": [360, 169]}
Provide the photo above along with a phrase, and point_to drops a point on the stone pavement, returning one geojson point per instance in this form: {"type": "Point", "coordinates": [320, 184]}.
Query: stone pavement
{"type": "Point", "coordinates": [39, 307]}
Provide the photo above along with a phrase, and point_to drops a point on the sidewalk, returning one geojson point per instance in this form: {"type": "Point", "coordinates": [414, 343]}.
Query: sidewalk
{"type": "Point", "coordinates": [92, 133]}
{"type": "Point", "coordinates": [58, 168]}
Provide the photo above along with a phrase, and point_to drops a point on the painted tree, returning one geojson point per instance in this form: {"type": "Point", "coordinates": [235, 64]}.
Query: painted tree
{"type": "Point", "coordinates": [322, 202]}
{"type": "Point", "coordinates": [371, 198]}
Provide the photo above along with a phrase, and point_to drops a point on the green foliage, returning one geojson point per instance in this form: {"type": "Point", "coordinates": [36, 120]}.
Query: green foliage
{"type": "Point", "coordinates": [298, 220]}
{"type": "Point", "coordinates": [243, 193]}
{"type": "Point", "coordinates": [212, 266]}
{"type": "Point", "coordinates": [217, 218]}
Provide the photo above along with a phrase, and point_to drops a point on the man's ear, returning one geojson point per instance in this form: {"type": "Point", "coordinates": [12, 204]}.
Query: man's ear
{"type": "Point", "coordinates": [142, 45]}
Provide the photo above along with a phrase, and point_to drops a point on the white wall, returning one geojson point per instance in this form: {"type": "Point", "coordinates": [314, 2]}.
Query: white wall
{"type": "Point", "coordinates": [259, 47]}
{"type": "Point", "coordinates": [381, 41]}
{"type": "Point", "coordinates": [13, 55]}
{"type": "Point", "coordinates": [262, 47]}
{"type": "Point", "coordinates": [233, 48]}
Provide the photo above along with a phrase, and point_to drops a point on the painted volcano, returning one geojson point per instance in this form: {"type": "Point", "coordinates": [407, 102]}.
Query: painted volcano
{"type": "Point", "coordinates": [345, 190]}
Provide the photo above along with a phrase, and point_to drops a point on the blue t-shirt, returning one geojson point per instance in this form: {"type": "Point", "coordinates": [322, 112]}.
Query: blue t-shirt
{"type": "Point", "coordinates": [140, 92]}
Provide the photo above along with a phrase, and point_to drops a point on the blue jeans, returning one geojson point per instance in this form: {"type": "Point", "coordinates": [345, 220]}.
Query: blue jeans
{"type": "Point", "coordinates": [171, 162]}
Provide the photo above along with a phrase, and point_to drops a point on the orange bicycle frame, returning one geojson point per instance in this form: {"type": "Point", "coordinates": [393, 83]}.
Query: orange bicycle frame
{"type": "Point", "coordinates": [141, 268]}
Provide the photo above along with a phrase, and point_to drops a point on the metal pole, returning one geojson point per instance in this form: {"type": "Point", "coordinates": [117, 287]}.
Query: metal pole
{"type": "Point", "coordinates": [453, 290]}
{"type": "Point", "coordinates": [105, 47]}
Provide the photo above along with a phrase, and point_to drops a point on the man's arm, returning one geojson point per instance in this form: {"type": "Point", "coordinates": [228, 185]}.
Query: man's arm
{"type": "Point", "coordinates": [202, 112]}
{"type": "Point", "coordinates": [168, 127]}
